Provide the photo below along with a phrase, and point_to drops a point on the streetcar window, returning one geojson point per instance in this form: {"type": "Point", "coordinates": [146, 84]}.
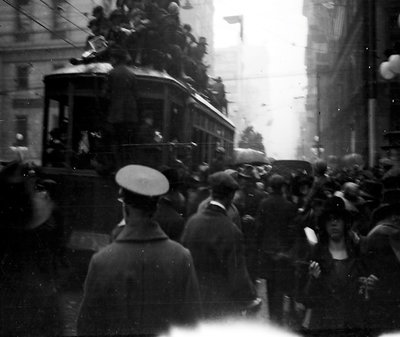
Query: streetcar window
{"type": "Point", "coordinates": [56, 140]}
{"type": "Point", "coordinates": [176, 120]}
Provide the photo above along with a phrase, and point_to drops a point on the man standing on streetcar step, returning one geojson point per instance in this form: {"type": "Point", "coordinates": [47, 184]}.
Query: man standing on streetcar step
{"type": "Point", "coordinates": [142, 283]}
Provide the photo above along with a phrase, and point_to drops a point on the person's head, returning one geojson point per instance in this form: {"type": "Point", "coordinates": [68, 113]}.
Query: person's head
{"type": "Point", "coordinates": [233, 173]}
{"type": "Point", "coordinates": [386, 164]}
{"type": "Point", "coordinates": [247, 176]}
{"type": "Point", "coordinates": [334, 221]}
{"type": "Point", "coordinates": [223, 187]}
{"type": "Point", "coordinates": [220, 152]}
{"type": "Point", "coordinates": [351, 191]}
{"type": "Point", "coordinates": [276, 183]}
{"type": "Point", "coordinates": [140, 188]}
{"type": "Point", "coordinates": [187, 28]}
{"type": "Point", "coordinates": [320, 167]}
{"type": "Point", "coordinates": [47, 187]}
{"type": "Point", "coordinates": [116, 17]}
{"type": "Point", "coordinates": [98, 12]}
{"type": "Point", "coordinates": [202, 41]}
{"type": "Point", "coordinates": [173, 8]}
{"type": "Point", "coordinates": [301, 185]}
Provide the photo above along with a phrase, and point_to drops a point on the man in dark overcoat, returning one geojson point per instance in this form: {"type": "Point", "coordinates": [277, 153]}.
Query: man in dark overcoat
{"type": "Point", "coordinates": [218, 253]}
{"type": "Point", "coordinates": [143, 283]}
{"type": "Point", "coordinates": [275, 236]}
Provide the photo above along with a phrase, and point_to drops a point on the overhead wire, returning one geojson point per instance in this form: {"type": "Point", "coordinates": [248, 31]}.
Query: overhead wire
{"type": "Point", "coordinates": [41, 24]}
{"type": "Point", "coordinates": [76, 9]}
{"type": "Point", "coordinates": [62, 16]}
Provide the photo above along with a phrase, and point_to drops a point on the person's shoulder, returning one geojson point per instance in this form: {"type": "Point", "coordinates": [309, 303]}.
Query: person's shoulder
{"type": "Point", "coordinates": [177, 250]}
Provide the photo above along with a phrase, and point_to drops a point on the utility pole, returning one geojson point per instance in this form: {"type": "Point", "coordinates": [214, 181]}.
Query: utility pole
{"type": "Point", "coordinates": [318, 136]}
{"type": "Point", "coordinates": [370, 23]}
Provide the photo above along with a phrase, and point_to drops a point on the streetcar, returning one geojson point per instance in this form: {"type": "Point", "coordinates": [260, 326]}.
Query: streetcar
{"type": "Point", "coordinates": [189, 130]}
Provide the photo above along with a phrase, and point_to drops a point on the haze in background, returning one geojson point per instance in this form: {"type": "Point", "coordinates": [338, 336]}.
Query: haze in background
{"type": "Point", "coordinates": [274, 39]}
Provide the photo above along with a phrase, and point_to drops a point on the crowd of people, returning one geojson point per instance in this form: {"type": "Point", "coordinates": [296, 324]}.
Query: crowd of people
{"type": "Point", "coordinates": [328, 246]}
{"type": "Point", "coordinates": [151, 34]}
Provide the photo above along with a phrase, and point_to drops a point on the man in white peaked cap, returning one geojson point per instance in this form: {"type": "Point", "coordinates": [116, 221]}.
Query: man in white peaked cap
{"type": "Point", "coordinates": [142, 283]}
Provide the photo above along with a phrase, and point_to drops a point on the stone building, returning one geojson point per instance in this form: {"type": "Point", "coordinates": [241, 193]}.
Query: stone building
{"type": "Point", "coordinates": [349, 105]}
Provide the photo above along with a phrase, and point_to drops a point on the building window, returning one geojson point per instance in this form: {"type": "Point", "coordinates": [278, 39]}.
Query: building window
{"type": "Point", "coordinates": [22, 76]}
{"type": "Point", "coordinates": [58, 20]}
{"type": "Point", "coordinates": [21, 129]}
{"type": "Point", "coordinates": [22, 22]}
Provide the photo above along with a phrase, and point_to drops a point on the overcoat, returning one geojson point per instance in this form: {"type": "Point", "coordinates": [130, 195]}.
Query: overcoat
{"type": "Point", "coordinates": [169, 219]}
{"type": "Point", "coordinates": [276, 234]}
{"type": "Point", "coordinates": [143, 283]}
{"type": "Point", "coordinates": [217, 248]}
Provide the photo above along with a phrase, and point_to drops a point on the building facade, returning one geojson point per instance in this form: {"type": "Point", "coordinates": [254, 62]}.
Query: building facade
{"type": "Point", "coordinates": [349, 105]}
{"type": "Point", "coordinates": [37, 37]}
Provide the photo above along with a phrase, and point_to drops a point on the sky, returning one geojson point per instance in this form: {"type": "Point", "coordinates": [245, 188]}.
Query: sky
{"type": "Point", "coordinates": [278, 27]}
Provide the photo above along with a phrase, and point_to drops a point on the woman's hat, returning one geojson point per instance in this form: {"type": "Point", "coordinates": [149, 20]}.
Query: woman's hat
{"type": "Point", "coordinates": [334, 206]}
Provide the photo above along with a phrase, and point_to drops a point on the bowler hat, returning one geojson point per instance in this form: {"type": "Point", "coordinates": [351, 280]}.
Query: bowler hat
{"type": "Point", "coordinates": [142, 180]}
{"type": "Point", "coordinates": [222, 182]}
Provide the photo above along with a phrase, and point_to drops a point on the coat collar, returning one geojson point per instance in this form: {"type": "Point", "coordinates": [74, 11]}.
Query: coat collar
{"type": "Point", "coordinates": [150, 231]}
{"type": "Point", "coordinates": [216, 208]}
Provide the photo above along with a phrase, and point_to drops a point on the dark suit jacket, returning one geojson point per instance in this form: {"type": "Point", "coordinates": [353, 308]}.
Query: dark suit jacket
{"type": "Point", "coordinates": [275, 222]}
{"type": "Point", "coordinates": [169, 219]}
{"type": "Point", "coordinates": [216, 245]}
{"type": "Point", "coordinates": [140, 284]}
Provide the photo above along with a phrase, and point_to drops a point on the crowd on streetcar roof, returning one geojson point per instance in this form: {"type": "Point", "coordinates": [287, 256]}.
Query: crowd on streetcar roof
{"type": "Point", "coordinates": [195, 248]}
{"type": "Point", "coordinates": [151, 34]}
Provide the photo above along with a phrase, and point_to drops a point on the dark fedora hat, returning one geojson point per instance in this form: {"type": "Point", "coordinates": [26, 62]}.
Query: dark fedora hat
{"type": "Point", "coordinates": [173, 177]}
{"type": "Point", "coordinates": [391, 196]}
{"type": "Point", "coordinates": [384, 211]}
{"type": "Point", "coordinates": [371, 189]}
{"type": "Point", "coordinates": [222, 182]}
